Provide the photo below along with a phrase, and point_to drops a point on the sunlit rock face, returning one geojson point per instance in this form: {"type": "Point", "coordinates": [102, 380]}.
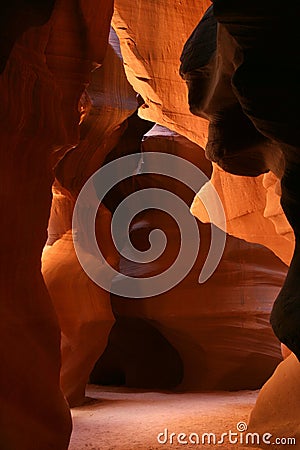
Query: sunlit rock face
{"type": "Point", "coordinates": [152, 58]}
{"type": "Point", "coordinates": [151, 54]}
{"type": "Point", "coordinates": [274, 212]}
{"type": "Point", "coordinates": [83, 308]}
{"type": "Point", "coordinates": [219, 329]}
{"type": "Point", "coordinates": [277, 408]}
{"type": "Point", "coordinates": [45, 70]}
{"type": "Point", "coordinates": [253, 210]}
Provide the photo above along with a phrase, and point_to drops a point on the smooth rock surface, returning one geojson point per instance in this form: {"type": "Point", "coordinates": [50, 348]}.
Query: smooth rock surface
{"type": "Point", "coordinates": [45, 71]}
{"type": "Point", "coordinates": [83, 308]}
{"type": "Point", "coordinates": [151, 56]}
{"type": "Point", "coordinates": [262, 95]}
{"type": "Point", "coordinates": [277, 409]}
{"type": "Point", "coordinates": [220, 328]}
{"type": "Point", "coordinates": [253, 211]}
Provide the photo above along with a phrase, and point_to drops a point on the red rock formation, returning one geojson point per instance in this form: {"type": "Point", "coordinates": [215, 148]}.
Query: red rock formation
{"type": "Point", "coordinates": [250, 36]}
{"type": "Point", "coordinates": [253, 211]}
{"type": "Point", "coordinates": [221, 333]}
{"type": "Point", "coordinates": [43, 79]}
{"type": "Point", "coordinates": [220, 328]}
{"type": "Point", "coordinates": [151, 55]}
{"type": "Point", "coordinates": [233, 141]}
{"type": "Point", "coordinates": [277, 408]}
{"type": "Point", "coordinates": [107, 103]}
{"type": "Point", "coordinates": [138, 355]}
{"type": "Point", "coordinates": [83, 308]}
{"type": "Point", "coordinates": [44, 73]}
{"type": "Point", "coordinates": [16, 17]}
{"type": "Point", "coordinates": [252, 88]}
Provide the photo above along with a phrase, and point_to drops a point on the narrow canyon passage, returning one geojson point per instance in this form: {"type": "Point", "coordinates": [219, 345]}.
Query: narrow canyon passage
{"type": "Point", "coordinates": [149, 204]}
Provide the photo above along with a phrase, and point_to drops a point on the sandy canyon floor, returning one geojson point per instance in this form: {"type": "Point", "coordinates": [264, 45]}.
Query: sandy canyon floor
{"type": "Point", "coordinates": [125, 419]}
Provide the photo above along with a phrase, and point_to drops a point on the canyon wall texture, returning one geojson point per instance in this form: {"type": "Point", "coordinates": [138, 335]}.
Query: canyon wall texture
{"type": "Point", "coordinates": [253, 210]}
{"type": "Point", "coordinates": [47, 54]}
{"type": "Point", "coordinates": [151, 55]}
{"type": "Point", "coordinates": [251, 103]}
{"type": "Point", "coordinates": [67, 108]}
{"type": "Point", "coordinates": [234, 94]}
{"type": "Point", "coordinates": [219, 330]}
{"type": "Point", "coordinates": [82, 307]}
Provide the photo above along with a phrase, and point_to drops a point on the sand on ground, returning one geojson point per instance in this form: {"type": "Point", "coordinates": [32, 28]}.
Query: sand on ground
{"type": "Point", "coordinates": [127, 419]}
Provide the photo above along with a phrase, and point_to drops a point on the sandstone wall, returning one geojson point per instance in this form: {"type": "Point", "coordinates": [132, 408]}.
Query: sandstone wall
{"type": "Point", "coordinates": [46, 58]}
{"type": "Point", "coordinates": [83, 308]}
{"type": "Point", "coordinates": [152, 61]}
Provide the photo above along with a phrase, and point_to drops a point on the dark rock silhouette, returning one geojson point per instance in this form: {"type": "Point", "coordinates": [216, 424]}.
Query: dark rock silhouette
{"type": "Point", "coordinates": [252, 102]}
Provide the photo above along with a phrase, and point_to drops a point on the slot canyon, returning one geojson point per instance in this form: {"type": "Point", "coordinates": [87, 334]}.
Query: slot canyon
{"type": "Point", "coordinates": [149, 233]}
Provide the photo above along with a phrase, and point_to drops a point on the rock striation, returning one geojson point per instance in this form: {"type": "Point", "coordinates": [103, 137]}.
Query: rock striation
{"type": "Point", "coordinates": [83, 308]}
{"type": "Point", "coordinates": [151, 57]}
{"type": "Point", "coordinates": [67, 109]}
{"type": "Point", "coordinates": [219, 329]}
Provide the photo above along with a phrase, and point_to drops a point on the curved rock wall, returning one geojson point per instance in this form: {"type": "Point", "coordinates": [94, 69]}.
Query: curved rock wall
{"type": "Point", "coordinates": [83, 308]}
{"type": "Point", "coordinates": [253, 211]}
{"type": "Point", "coordinates": [151, 55]}
{"type": "Point", "coordinates": [220, 329]}
{"type": "Point", "coordinates": [45, 71]}
{"type": "Point", "coordinates": [277, 408]}
{"type": "Point", "coordinates": [248, 85]}
{"type": "Point", "coordinates": [240, 96]}
{"type": "Point", "coordinates": [47, 55]}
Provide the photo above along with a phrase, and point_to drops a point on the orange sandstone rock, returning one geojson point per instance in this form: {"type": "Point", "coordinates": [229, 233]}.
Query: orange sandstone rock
{"type": "Point", "coordinates": [152, 57]}
{"type": "Point", "coordinates": [220, 329]}
{"type": "Point", "coordinates": [253, 211]}
{"type": "Point", "coordinates": [83, 308]}
{"type": "Point", "coordinates": [277, 408]}
{"type": "Point", "coordinates": [43, 79]}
